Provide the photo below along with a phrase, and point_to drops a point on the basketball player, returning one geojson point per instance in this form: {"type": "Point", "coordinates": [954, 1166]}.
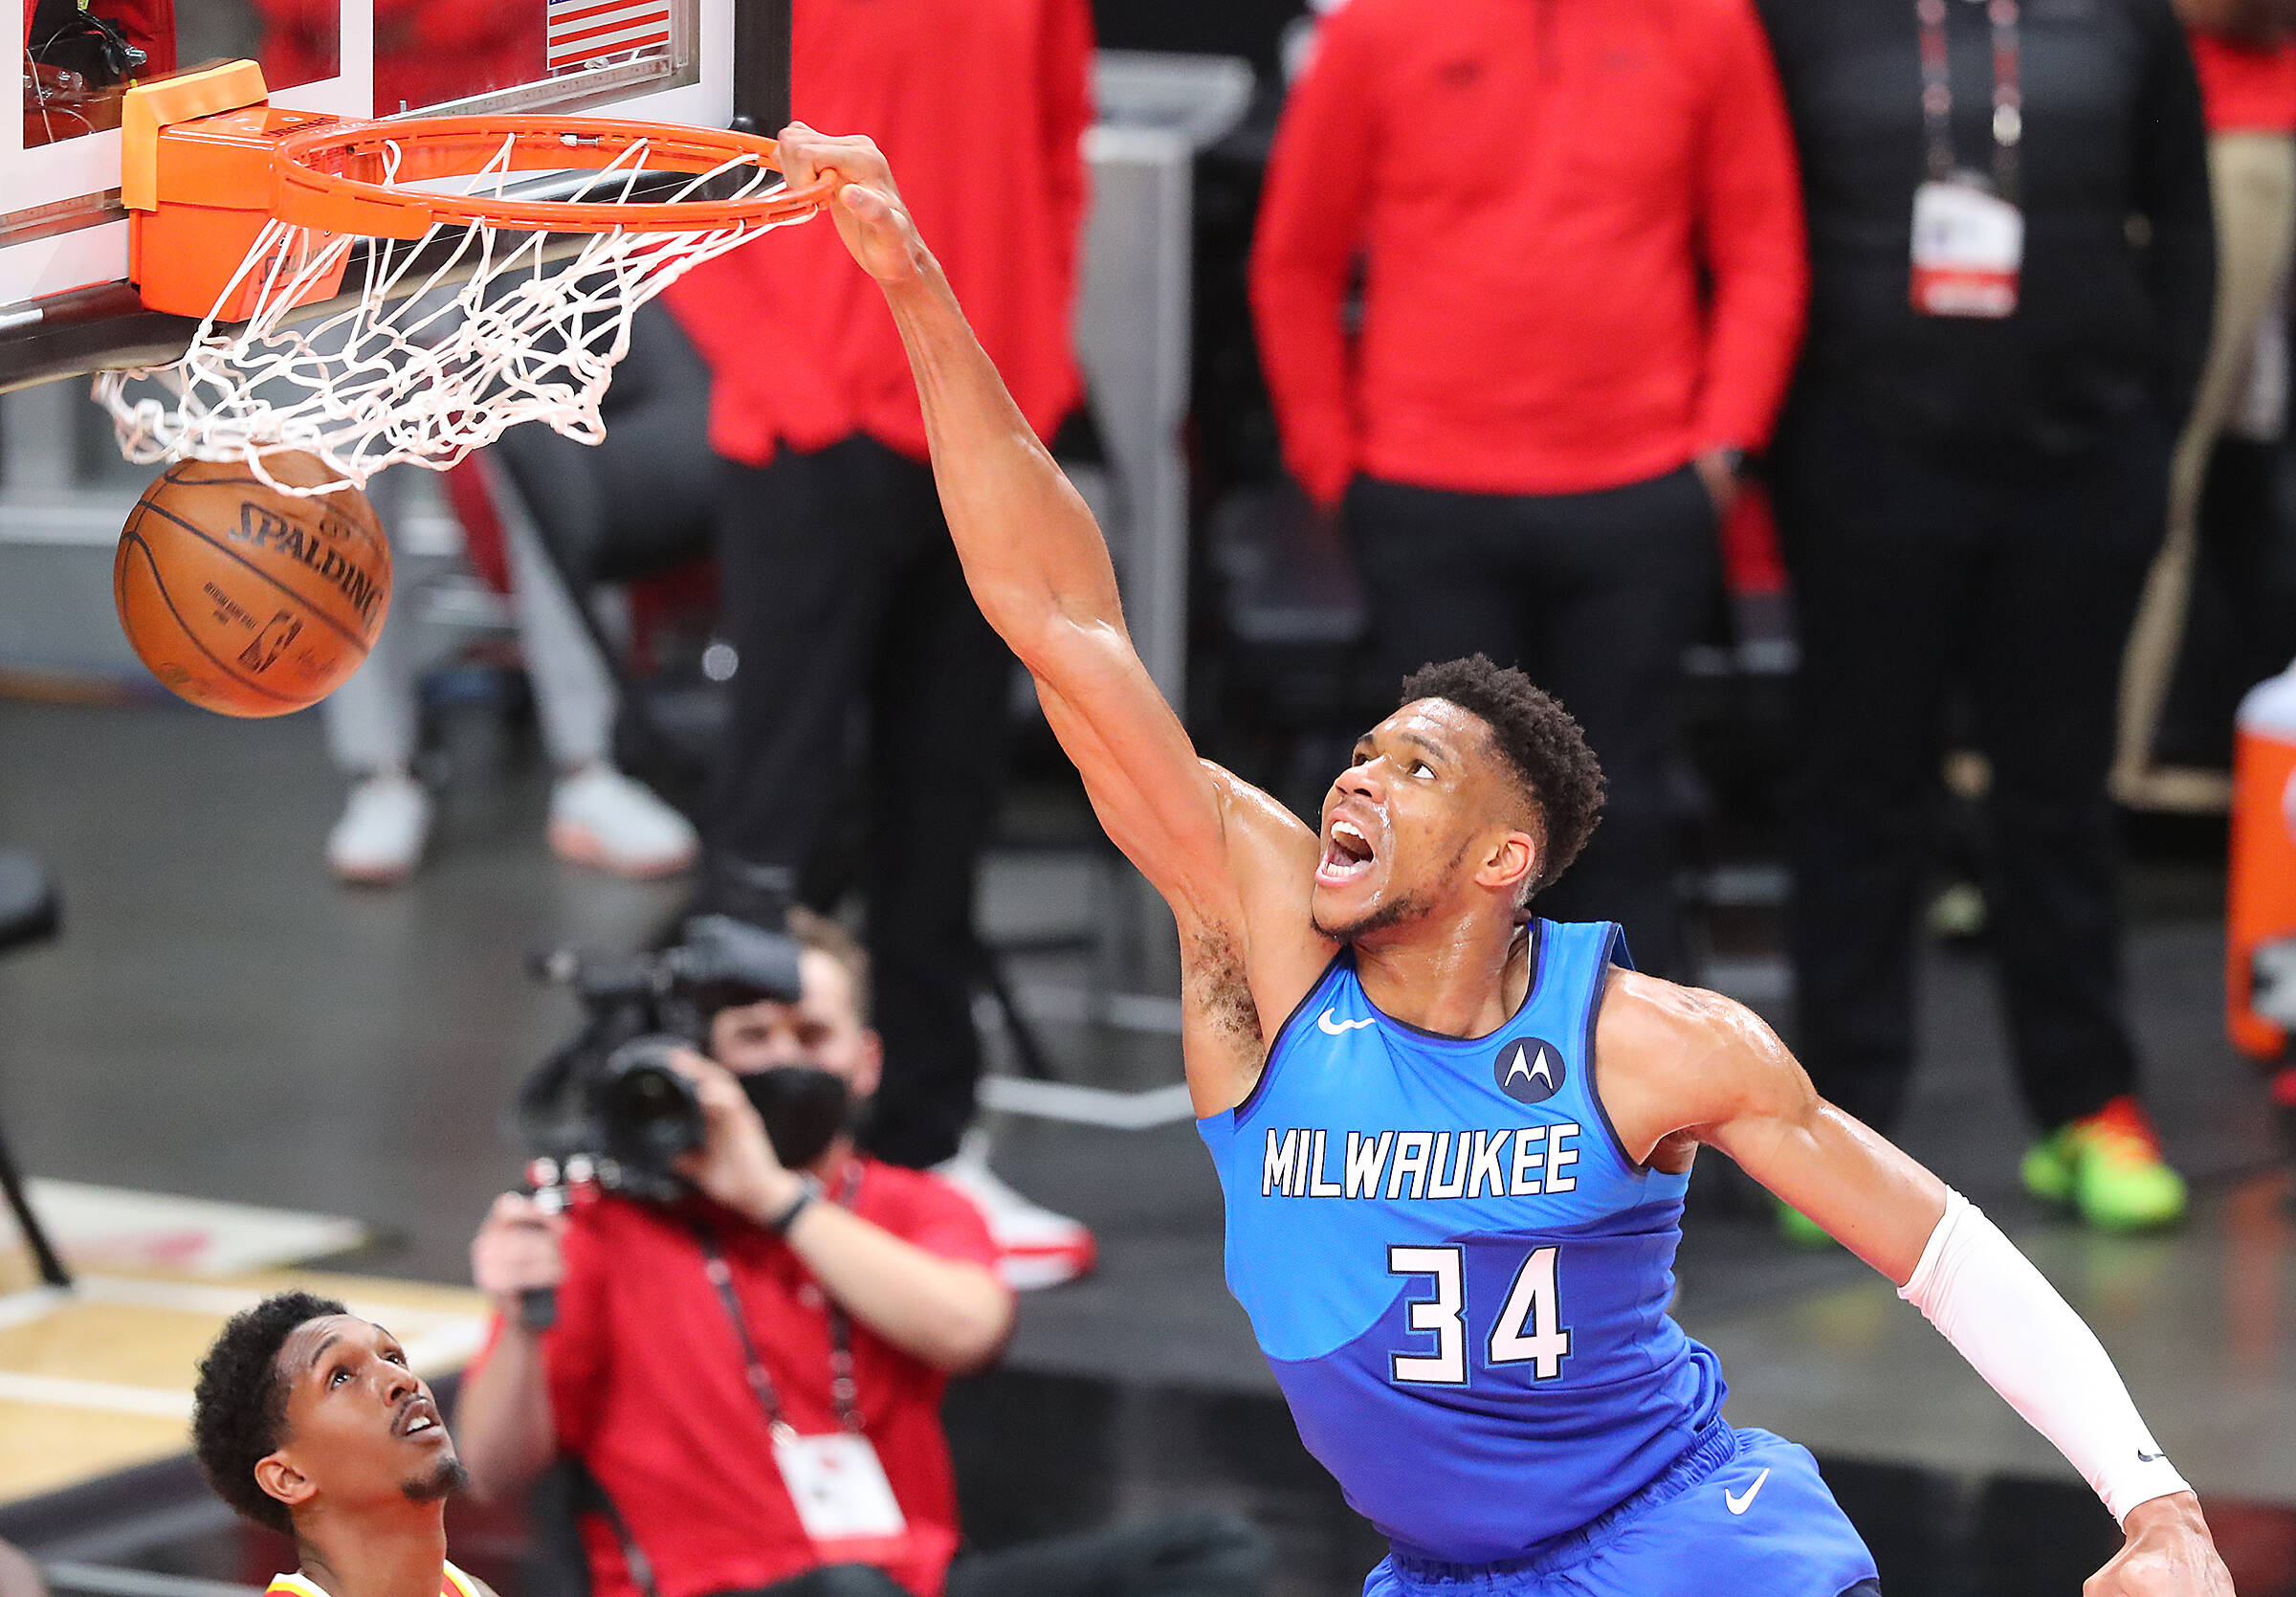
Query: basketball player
{"type": "Point", "coordinates": [1454, 1140]}
{"type": "Point", "coordinates": [306, 1419]}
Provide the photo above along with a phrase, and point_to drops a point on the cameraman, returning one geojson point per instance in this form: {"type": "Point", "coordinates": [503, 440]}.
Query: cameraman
{"type": "Point", "coordinates": [859, 1286]}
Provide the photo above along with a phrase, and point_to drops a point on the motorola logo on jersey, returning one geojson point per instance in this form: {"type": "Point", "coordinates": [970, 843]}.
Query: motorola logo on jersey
{"type": "Point", "coordinates": [1528, 1070]}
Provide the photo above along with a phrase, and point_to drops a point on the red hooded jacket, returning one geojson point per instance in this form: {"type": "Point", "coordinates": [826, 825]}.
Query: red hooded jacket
{"type": "Point", "coordinates": [427, 51]}
{"type": "Point", "coordinates": [1579, 224]}
{"type": "Point", "coordinates": [982, 108]}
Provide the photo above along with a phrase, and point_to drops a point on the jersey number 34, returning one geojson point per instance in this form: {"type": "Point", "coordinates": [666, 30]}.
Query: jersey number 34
{"type": "Point", "coordinates": [1529, 1329]}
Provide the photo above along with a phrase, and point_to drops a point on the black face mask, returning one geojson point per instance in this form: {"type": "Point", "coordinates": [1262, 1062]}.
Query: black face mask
{"type": "Point", "coordinates": [803, 1108]}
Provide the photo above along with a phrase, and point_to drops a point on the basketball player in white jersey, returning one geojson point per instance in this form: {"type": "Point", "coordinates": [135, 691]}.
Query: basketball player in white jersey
{"type": "Point", "coordinates": [307, 1419]}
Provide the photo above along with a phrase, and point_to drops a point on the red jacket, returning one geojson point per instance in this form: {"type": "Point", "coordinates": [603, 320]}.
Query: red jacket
{"type": "Point", "coordinates": [982, 108]}
{"type": "Point", "coordinates": [426, 51]}
{"type": "Point", "coordinates": [2246, 88]}
{"type": "Point", "coordinates": [648, 1389]}
{"type": "Point", "coordinates": [1581, 226]}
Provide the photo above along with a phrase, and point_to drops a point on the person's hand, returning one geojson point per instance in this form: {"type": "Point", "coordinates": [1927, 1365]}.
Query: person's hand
{"type": "Point", "coordinates": [1718, 469]}
{"type": "Point", "coordinates": [735, 1164]}
{"type": "Point", "coordinates": [865, 205]}
{"type": "Point", "coordinates": [519, 1249]}
{"type": "Point", "coordinates": [2169, 1553]}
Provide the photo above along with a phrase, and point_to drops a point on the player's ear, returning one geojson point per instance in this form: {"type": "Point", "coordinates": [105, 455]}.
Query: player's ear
{"type": "Point", "coordinates": [281, 1479]}
{"type": "Point", "coordinates": [1507, 865]}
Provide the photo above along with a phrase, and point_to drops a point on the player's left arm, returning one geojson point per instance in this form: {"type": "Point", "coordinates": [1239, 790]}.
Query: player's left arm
{"type": "Point", "coordinates": [1680, 1066]}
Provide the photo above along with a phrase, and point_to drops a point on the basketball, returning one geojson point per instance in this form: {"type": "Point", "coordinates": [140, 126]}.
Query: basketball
{"type": "Point", "coordinates": [245, 600]}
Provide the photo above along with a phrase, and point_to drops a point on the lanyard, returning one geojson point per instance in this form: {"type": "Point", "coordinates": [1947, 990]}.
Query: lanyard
{"type": "Point", "coordinates": [843, 1392]}
{"type": "Point", "coordinates": [1937, 93]}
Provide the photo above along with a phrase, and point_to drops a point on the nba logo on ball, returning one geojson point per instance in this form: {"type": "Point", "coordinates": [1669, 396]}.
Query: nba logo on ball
{"type": "Point", "coordinates": [1528, 1070]}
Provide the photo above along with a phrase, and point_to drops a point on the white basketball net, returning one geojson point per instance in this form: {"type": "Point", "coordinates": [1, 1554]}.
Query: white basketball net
{"type": "Point", "coordinates": [437, 357]}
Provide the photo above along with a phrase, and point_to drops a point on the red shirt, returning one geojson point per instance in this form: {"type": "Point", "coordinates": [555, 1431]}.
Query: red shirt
{"type": "Point", "coordinates": [1580, 225]}
{"type": "Point", "coordinates": [427, 51]}
{"type": "Point", "coordinates": [648, 1390]}
{"type": "Point", "coordinates": [982, 108]}
{"type": "Point", "coordinates": [2246, 88]}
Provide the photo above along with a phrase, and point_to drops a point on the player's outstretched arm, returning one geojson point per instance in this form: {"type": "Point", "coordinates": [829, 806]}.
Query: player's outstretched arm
{"type": "Point", "coordinates": [1033, 557]}
{"type": "Point", "coordinates": [1680, 1066]}
{"type": "Point", "coordinates": [1225, 856]}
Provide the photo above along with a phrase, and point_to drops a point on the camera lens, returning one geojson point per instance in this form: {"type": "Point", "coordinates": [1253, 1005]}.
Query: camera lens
{"type": "Point", "coordinates": [648, 1111]}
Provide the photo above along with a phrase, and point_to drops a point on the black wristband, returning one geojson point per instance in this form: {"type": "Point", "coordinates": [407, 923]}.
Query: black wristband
{"type": "Point", "coordinates": [806, 1191]}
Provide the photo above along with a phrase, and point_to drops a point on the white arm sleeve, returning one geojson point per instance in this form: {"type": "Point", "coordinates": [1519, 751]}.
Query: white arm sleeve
{"type": "Point", "coordinates": [2003, 1316]}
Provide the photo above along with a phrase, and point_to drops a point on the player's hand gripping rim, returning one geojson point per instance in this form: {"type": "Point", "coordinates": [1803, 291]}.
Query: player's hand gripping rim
{"type": "Point", "coordinates": [2168, 1554]}
{"type": "Point", "coordinates": [865, 206]}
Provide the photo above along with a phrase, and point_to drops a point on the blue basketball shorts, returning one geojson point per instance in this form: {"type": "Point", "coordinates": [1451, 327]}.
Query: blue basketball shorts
{"type": "Point", "coordinates": [1744, 1511]}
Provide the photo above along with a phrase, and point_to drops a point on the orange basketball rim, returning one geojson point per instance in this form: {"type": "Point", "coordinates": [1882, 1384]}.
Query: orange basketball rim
{"type": "Point", "coordinates": [206, 162]}
{"type": "Point", "coordinates": [476, 306]}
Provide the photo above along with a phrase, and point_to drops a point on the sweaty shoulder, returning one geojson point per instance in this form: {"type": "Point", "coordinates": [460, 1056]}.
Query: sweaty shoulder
{"type": "Point", "coordinates": [1271, 857]}
{"type": "Point", "coordinates": [1248, 951]}
{"type": "Point", "coordinates": [1260, 832]}
{"type": "Point", "coordinates": [1672, 1058]}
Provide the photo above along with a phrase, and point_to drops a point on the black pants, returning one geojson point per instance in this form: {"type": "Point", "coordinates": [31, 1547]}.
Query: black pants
{"type": "Point", "coordinates": [1180, 1555]}
{"type": "Point", "coordinates": [2016, 579]}
{"type": "Point", "coordinates": [843, 596]}
{"type": "Point", "coordinates": [1595, 596]}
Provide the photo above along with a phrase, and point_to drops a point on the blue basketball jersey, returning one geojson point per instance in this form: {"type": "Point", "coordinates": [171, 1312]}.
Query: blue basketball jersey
{"type": "Point", "coordinates": [1460, 1277]}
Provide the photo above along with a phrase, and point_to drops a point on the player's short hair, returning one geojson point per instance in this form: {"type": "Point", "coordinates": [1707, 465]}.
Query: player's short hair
{"type": "Point", "coordinates": [823, 935]}
{"type": "Point", "coordinates": [1562, 780]}
{"type": "Point", "coordinates": [239, 1407]}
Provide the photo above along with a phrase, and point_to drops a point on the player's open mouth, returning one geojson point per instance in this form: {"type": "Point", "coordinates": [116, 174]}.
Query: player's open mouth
{"type": "Point", "coordinates": [1346, 855]}
{"type": "Point", "coordinates": [419, 1418]}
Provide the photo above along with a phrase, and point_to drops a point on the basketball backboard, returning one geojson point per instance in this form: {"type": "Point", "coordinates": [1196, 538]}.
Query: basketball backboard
{"type": "Point", "coordinates": [65, 305]}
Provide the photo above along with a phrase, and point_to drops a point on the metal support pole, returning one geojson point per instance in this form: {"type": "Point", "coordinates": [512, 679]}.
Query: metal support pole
{"type": "Point", "coordinates": [761, 65]}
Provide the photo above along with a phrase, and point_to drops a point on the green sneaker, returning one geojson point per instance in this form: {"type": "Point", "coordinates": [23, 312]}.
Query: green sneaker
{"type": "Point", "coordinates": [2109, 1167]}
{"type": "Point", "coordinates": [1801, 1230]}
{"type": "Point", "coordinates": [2047, 1168]}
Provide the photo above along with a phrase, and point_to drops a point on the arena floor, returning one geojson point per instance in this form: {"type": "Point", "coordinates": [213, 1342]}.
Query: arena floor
{"type": "Point", "coordinates": [221, 1021]}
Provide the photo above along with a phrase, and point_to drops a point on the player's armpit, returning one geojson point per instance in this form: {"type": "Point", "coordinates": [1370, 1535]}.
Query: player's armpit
{"type": "Point", "coordinates": [1236, 868]}
{"type": "Point", "coordinates": [1678, 1060]}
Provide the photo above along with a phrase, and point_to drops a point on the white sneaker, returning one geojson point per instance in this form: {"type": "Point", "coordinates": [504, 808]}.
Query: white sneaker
{"type": "Point", "coordinates": [380, 839]}
{"type": "Point", "coordinates": [1035, 1247]}
{"type": "Point", "coordinates": [601, 818]}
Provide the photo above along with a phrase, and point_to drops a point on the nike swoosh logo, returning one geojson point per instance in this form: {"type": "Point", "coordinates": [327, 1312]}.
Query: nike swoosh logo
{"type": "Point", "coordinates": [1738, 1505]}
{"type": "Point", "coordinates": [1341, 1028]}
{"type": "Point", "coordinates": [2144, 1457]}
